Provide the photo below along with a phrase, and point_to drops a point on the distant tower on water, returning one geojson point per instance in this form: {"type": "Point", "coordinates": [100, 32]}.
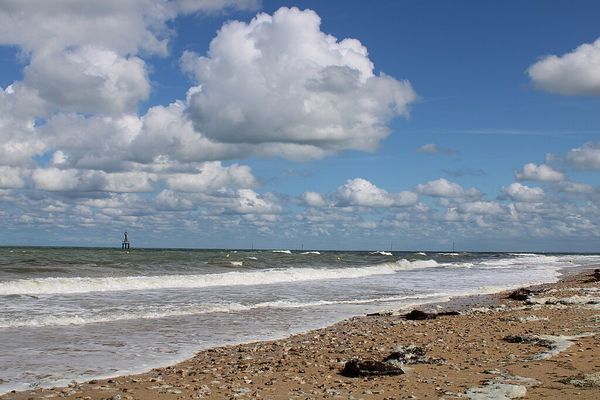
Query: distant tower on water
{"type": "Point", "coordinates": [125, 243]}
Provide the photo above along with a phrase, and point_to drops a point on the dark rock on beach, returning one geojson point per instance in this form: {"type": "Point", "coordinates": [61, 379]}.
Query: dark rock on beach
{"type": "Point", "coordinates": [418, 315]}
{"type": "Point", "coordinates": [520, 294]}
{"type": "Point", "coordinates": [356, 368]}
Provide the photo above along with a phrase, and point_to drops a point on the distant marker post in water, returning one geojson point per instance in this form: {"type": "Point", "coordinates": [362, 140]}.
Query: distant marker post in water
{"type": "Point", "coordinates": [125, 243]}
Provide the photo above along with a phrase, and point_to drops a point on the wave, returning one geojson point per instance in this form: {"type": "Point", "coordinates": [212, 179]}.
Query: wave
{"type": "Point", "coordinates": [195, 309]}
{"type": "Point", "coordinates": [282, 251]}
{"type": "Point", "coordinates": [382, 253]}
{"type": "Point", "coordinates": [40, 286]}
{"type": "Point", "coordinates": [311, 252]}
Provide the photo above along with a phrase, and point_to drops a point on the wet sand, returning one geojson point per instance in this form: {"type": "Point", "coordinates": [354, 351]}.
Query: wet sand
{"type": "Point", "coordinates": [545, 346]}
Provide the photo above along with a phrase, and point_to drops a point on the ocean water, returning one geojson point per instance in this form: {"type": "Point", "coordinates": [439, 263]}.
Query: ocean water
{"type": "Point", "coordinates": [76, 314]}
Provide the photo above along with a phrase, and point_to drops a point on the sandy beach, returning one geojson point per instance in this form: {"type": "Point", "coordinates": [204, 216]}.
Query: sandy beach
{"type": "Point", "coordinates": [543, 344]}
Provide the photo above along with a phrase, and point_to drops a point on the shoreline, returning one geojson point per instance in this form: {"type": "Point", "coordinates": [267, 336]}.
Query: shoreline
{"type": "Point", "coordinates": [315, 358]}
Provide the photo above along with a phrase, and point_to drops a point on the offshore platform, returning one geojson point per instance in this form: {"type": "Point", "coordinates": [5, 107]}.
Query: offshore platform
{"type": "Point", "coordinates": [125, 243]}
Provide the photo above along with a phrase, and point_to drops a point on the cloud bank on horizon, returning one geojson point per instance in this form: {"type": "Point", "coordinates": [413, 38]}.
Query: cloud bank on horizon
{"type": "Point", "coordinates": [79, 150]}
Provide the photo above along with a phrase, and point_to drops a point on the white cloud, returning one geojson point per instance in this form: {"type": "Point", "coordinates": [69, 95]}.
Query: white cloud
{"type": "Point", "coordinates": [66, 180]}
{"type": "Point", "coordinates": [519, 192]}
{"type": "Point", "coordinates": [574, 73]}
{"type": "Point", "coordinates": [360, 192]}
{"type": "Point", "coordinates": [585, 157]}
{"type": "Point", "coordinates": [128, 182]}
{"type": "Point", "coordinates": [313, 199]}
{"type": "Point", "coordinates": [432, 148]}
{"type": "Point", "coordinates": [54, 179]}
{"type": "Point", "coordinates": [212, 176]}
{"type": "Point", "coordinates": [481, 207]}
{"type": "Point", "coordinates": [574, 187]}
{"type": "Point", "coordinates": [88, 79]}
{"type": "Point", "coordinates": [541, 173]}
{"type": "Point", "coordinates": [167, 200]}
{"type": "Point", "coordinates": [125, 26]}
{"type": "Point", "coordinates": [444, 188]}
{"type": "Point", "coordinates": [10, 178]}
{"type": "Point", "coordinates": [280, 80]}
{"type": "Point", "coordinates": [250, 202]}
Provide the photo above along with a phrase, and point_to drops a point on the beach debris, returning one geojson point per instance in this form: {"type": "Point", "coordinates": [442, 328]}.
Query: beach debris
{"type": "Point", "coordinates": [355, 368]}
{"type": "Point", "coordinates": [526, 339]}
{"type": "Point", "coordinates": [496, 391]}
{"type": "Point", "coordinates": [554, 344]}
{"type": "Point", "coordinates": [571, 300]}
{"type": "Point", "coordinates": [588, 380]}
{"type": "Point", "coordinates": [597, 274]}
{"type": "Point", "coordinates": [412, 354]}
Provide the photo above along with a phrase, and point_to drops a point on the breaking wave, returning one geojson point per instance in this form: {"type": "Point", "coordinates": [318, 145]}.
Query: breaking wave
{"type": "Point", "coordinates": [264, 277]}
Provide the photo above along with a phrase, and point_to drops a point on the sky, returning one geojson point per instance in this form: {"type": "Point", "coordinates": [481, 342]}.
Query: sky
{"type": "Point", "coordinates": [402, 124]}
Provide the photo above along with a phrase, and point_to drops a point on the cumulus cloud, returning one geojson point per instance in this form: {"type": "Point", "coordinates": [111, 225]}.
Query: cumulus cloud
{"type": "Point", "coordinates": [519, 192]}
{"type": "Point", "coordinates": [248, 201]}
{"type": "Point", "coordinates": [585, 157]}
{"type": "Point", "coordinates": [574, 73]}
{"type": "Point", "coordinates": [313, 199]}
{"type": "Point", "coordinates": [541, 173]}
{"type": "Point", "coordinates": [280, 80]}
{"type": "Point", "coordinates": [361, 192]}
{"type": "Point", "coordinates": [88, 79]}
{"type": "Point", "coordinates": [444, 188]}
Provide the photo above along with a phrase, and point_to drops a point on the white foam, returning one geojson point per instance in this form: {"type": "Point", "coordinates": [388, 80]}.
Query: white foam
{"type": "Point", "coordinates": [282, 251]}
{"type": "Point", "coordinates": [382, 253]}
{"type": "Point", "coordinates": [311, 252]}
{"type": "Point", "coordinates": [186, 310]}
{"type": "Point", "coordinates": [559, 344]}
{"type": "Point", "coordinates": [264, 277]}
{"type": "Point", "coordinates": [236, 263]}
{"type": "Point", "coordinates": [421, 253]}
{"type": "Point", "coordinates": [417, 264]}
{"type": "Point", "coordinates": [496, 391]}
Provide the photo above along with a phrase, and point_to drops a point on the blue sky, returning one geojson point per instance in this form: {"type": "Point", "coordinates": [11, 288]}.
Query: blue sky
{"type": "Point", "coordinates": [335, 124]}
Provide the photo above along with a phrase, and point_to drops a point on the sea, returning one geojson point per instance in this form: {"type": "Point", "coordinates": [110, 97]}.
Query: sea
{"type": "Point", "coordinates": [75, 314]}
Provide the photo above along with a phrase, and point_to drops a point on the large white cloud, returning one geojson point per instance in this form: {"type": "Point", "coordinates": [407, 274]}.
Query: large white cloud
{"type": "Point", "coordinates": [444, 188]}
{"type": "Point", "coordinates": [82, 55]}
{"type": "Point", "coordinates": [124, 26]}
{"type": "Point", "coordinates": [585, 157]}
{"type": "Point", "coordinates": [280, 79]}
{"type": "Point", "coordinates": [541, 173]}
{"type": "Point", "coordinates": [520, 192]}
{"type": "Point", "coordinates": [88, 79]}
{"type": "Point", "coordinates": [574, 73]}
